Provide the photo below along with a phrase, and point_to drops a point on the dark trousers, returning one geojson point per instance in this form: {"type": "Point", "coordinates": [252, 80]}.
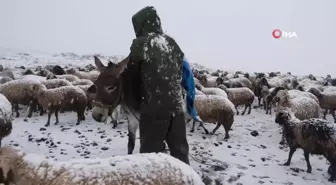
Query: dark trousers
{"type": "Point", "coordinates": [154, 130]}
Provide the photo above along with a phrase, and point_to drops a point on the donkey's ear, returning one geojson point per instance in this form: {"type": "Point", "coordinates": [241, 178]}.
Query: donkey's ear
{"type": "Point", "coordinates": [122, 65]}
{"type": "Point", "coordinates": [98, 63]}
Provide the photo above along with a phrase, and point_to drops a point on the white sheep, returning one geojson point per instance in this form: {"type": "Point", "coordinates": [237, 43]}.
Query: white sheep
{"type": "Point", "coordinates": [68, 77]}
{"type": "Point", "coordinates": [56, 83]}
{"type": "Point", "coordinates": [302, 107]}
{"type": "Point", "coordinates": [235, 82]}
{"type": "Point", "coordinates": [20, 92]}
{"type": "Point", "coordinates": [240, 96]}
{"type": "Point", "coordinates": [67, 98]}
{"type": "Point", "coordinates": [82, 82]}
{"type": "Point", "coordinates": [5, 117]}
{"type": "Point", "coordinates": [211, 90]}
{"type": "Point", "coordinates": [327, 101]}
{"type": "Point", "coordinates": [91, 75]}
{"type": "Point", "coordinates": [90, 96]}
{"type": "Point", "coordinates": [215, 109]}
{"type": "Point", "coordinates": [151, 169]}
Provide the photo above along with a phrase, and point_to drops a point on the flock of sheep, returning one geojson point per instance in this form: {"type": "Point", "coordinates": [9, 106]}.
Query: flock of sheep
{"type": "Point", "coordinates": [298, 102]}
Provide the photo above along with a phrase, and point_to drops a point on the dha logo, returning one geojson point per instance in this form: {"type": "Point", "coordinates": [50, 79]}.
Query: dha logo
{"type": "Point", "coordinates": [277, 34]}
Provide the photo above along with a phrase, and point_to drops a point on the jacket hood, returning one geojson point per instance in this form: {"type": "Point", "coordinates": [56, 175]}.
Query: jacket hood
{"type": "Point", "coordinates": [146, 21]}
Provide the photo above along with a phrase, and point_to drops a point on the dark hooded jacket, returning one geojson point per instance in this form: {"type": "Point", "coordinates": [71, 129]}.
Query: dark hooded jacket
{"type": "Point", "coordinates": [158, 60]}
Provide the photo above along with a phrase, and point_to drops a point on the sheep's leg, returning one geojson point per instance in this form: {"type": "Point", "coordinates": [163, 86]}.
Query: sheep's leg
{"type": "Point", "coordinates": [16, 107]}
{"type": "Point", "coordinates": [31, 109]}
{"type": "Point", "coordinates": [216, 128]}
{"type": "Point", "coordinates": [250, 107]}
{"type": "Point", "coordinates": [237, 109]}
{"type": "Point", "coordinates": [325, 114]}
{"type": "Point", "coordinates": [283, 140]}
{"type": "Point", "coordinates": [259, 101]}
{"type": "Point", "coordinates": [306, 156]}
{"type": "Point", "coordinates": [205, 130]}
{"type": "Point", "coordinates": [56, 115]}
{"type": "Point", "coordinates": [290, 155]}
{"type": "Point", "coordinates": [41, 110]}
{"type": "Point", "coordinates": [49, 116]}
{"type": "Point", "coordinates": [79, 117]}
{"type": "Point", "coordinates": [265, 106]}
{"type": "Point", "coordinates": [246, 105]}
{"type": "Point", "coordinates": [193, 126]}
{"type": "Point", "coordinates": [333, 114]}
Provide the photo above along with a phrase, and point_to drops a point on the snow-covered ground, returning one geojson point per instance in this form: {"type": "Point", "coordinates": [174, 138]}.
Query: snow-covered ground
{"type": "Point", "coordinates": [243, 159]}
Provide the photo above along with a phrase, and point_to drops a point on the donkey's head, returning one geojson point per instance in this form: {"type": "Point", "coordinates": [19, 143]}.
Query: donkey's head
{"type": "Point", "coordinates": [107, 88]}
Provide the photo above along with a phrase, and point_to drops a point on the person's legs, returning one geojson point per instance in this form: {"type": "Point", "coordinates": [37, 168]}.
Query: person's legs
{"type": "Point", "coordinates": [177, 138]}
{"type": "Point", "coordinates": [153, 130]}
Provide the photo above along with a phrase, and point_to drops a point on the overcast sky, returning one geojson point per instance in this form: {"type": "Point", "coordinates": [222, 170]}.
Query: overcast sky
{"type": "Point", "coordinates": [225, 34]}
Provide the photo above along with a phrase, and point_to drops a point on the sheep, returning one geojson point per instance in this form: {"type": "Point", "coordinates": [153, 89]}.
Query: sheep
{"type": "Point", "coordinates": [21, 168]}
{"type": "Point", "coordinates": [92, 75]}
{"type": "Point", "coordinates": [68, 98]}
{"type": "Point", "coordinates": [5, 117]}
{"type": "Point", "coordinates": [215, 109]}
{"type": "Point", "coordinates": [211, 90]}
{"type": "Point", "coordinates": [327, 101]}
{"type": "Point", "coordinates": [5, 79]}
{"type": "Point", "coordinates": [56, 83]}
{"type": "Point", "coordinates": [33, 78]}
{"type": "Point", "coordinates": [314, 136]}
{"type": "Point", "coordinates": [302, 107]}
{"type": "Point", "coordinates": [28, 72]}
{"type": "Point", "coordinates": [208, 81]}
{"type": "Point", "coordinates": [82, 82]}
{"type": "Point", "coordinates": [68, 77]}
{"type": "Point", "coordinates": [90, 96]}
{"type": "Point", "coordinates": [241, 96]}
{"type": "Point", "coordinates": [58, 70]}
{"type": "Point", "coordinates": [7, 72]}
{"type": "Point", "coordinates": [44, 73]}
{"type": "Point", "coordinates": [265, 91]}
{"type": "Point", "coordinates": [20, 92]}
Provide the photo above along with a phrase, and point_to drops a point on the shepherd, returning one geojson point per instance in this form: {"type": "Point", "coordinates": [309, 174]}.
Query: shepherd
{"type": "Point", "coordinates": [147, 83]}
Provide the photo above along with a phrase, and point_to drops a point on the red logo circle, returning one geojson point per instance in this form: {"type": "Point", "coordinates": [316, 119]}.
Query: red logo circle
{"type": "Point", "coordinates": [276, 33]}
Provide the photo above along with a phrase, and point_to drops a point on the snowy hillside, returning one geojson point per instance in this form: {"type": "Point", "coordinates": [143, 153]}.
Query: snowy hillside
{"type": "Point", "coordinates": [243, 159]}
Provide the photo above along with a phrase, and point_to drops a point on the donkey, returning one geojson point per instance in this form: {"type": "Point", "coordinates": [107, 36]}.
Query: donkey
{"type": "Point", "coordinates": [113, 87]}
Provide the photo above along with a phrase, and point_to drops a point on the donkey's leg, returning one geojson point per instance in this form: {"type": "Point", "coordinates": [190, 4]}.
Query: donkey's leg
{"type": "Point", "coordinates": [133, 125]}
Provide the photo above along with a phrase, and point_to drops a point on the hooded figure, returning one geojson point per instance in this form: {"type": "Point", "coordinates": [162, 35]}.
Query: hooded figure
{"type": "Point", "coordinates": [159, 60]}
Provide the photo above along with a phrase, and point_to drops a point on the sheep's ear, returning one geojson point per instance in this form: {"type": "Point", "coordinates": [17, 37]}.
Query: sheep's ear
{"type": "Point", "coordinates": [122, 65]}
{"type": "Point", "coordinates": [98, 63]}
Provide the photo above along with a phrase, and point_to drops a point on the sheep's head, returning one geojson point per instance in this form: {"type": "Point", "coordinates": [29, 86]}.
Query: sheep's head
{"type": "Point", "coordinates": [315, 92]}
{"type": "Point", "coordinates": [28, 72]}
{"type": "Point", "coordinates": [246, 75]}
{"type": "Point", "coordinates": [281, 96]}
{"type": "Point", "coordinates": [223, 87]}
{"type": "Point", "coordinates": [219, 81]}
{"type": "Point", "coordinates": [38, 89]}
{"type": "Point", "coordinates": [43, 73]}
{"type": "Point", "coordinates": [71, 71]}
{"type": "Point", "coordinates": [203, 80]}
{"type": "Point", "coordinates": [51, 76]}
{"type": "Point", "coordinates": [282, 117]}
{"type": "Point", "coordinates": [7, 158]}
{"type": "Point", "coordinates": [5, 126]}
